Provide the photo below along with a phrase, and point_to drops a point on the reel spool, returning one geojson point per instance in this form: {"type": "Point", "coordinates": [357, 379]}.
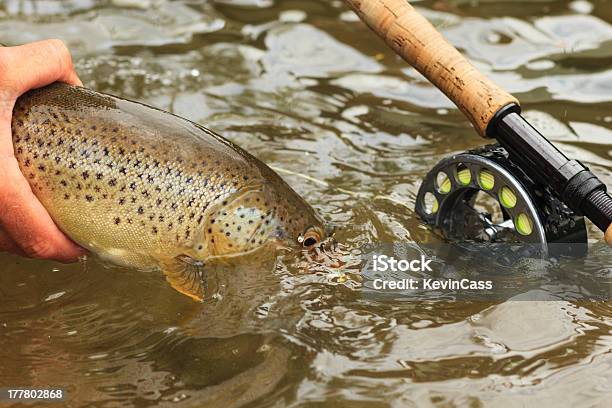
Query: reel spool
{"type": "Point", "coordinates": [481, 196]}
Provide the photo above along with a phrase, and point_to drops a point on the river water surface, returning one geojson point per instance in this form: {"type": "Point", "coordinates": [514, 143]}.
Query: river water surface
{"type": "Point", "coordinates": [309, 90]}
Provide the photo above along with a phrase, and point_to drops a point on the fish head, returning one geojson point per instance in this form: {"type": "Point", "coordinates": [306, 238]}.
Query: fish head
{"type": "Point", "coordinates": [257, 217]}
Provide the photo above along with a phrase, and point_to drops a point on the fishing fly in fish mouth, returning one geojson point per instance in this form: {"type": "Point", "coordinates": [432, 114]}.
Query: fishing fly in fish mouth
{"type": "Point", "coordinates": [143, 188]}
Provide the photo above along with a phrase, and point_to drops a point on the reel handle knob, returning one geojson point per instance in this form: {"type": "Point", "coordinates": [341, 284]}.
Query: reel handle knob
{"type": "Point", "coordinates": [412, 37]}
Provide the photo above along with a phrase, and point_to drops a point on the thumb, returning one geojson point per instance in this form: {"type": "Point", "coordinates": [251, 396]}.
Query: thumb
{"type": "Point", "coordinates": [608, 236]}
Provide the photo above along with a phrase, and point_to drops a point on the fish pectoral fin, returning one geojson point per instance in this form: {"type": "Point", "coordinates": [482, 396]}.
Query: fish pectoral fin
{"type": "Point", "coordinates": [186, 276]}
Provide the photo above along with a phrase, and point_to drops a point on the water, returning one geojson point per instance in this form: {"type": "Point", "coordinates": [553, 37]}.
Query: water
{"type": "Point", "coordinates": [310, 91]}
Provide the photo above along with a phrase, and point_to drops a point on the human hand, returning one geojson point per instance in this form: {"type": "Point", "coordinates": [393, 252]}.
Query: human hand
{"type": "Point", "coordinates": [25, 226]}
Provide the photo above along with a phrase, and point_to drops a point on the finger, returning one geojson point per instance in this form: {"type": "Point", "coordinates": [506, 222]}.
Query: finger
{"type": "Point", "coordinates": [27, 222]}
{"type": "Point", "coordinates": [38, 64]}
{"type": "Point", "coordinates": [8, 245]}
{"type": "Point", "coordinates": [608, 236]}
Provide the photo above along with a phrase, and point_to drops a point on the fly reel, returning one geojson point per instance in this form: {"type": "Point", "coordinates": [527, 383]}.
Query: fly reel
{"type": "Point", "coordinates": [481, 196]}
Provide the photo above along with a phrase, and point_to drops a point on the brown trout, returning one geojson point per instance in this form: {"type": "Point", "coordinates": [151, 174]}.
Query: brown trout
{"type": "Point", "coordinates": [143, 188]}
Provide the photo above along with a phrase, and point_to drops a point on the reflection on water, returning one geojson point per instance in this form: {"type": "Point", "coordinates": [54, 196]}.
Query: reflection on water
{"type": "Point", "coordinates": [307, 89]}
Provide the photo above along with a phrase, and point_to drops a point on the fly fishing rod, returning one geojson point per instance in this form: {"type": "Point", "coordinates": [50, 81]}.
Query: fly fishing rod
{"type": "Point", "coordinates": [544, 195]}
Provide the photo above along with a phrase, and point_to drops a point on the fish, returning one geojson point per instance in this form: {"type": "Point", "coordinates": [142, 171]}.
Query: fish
{"type": "Point", "coordinates": [144, 188]}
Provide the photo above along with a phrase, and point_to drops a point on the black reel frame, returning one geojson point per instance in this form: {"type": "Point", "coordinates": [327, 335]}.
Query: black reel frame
{"type": "Point", "coordinates": [544, 196]}
{"type": "Point", "coordinates": [532, 215]}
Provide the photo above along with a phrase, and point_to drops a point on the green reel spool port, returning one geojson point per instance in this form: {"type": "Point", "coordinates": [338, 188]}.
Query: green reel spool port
{"type": "Point", "coordinates": [481, 196]}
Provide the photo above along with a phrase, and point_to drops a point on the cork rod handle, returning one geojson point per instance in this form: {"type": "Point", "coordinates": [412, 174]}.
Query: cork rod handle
{"type": "Point", "coordinates": [412, 37]}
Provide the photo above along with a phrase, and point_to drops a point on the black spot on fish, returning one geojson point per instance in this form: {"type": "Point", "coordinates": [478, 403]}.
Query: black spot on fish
{"type": "Point", "coordinates": [99, 176]}
{"type": "Point", "coordinates": [117, 220]}
{"type": "Point", "coordinates": [89, 198]}
{"type": "Point", "coordinates": [85, 175]}
{"type": "Point", "coordinates": [140, 210]}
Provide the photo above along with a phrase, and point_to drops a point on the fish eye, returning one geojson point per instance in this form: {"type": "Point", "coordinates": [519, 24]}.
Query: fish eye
{"type": "Point", "coordinates": [310, 238]}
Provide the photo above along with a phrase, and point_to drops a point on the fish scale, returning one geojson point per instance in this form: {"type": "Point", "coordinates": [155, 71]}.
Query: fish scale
{"type": "Point", "coordinates": [142, 187]}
